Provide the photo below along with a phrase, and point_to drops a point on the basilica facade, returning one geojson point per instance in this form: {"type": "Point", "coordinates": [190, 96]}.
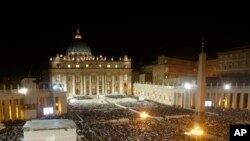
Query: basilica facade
{"type": "Point", "coordinates": [82, 74]}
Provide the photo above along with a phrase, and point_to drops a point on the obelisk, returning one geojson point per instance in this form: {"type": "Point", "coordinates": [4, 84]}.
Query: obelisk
{"type": "Point", "coordinates": [201, 80]}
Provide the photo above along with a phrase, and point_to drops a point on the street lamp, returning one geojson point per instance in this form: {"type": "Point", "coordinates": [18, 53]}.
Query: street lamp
{"type": "Point", "coordinates": [197, 132]}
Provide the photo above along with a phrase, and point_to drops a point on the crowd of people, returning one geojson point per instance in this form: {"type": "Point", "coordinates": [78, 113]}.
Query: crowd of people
{"type": "Point", "coordinates": [106, 122]}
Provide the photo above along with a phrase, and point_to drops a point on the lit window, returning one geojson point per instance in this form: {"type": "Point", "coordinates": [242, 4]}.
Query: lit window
{"type": "Point", "coordinates": [87, 65]}
{"type": "Point", "coordinates": [69, 66]}
{"type": "Point", "coordinates": [108, 66]}
{"type": "Point", "coordinates": [77, 65]}
{"type": "Point", "coordinates": [100, 65]}
{"type": "Point", "coordinates": [116, 66]}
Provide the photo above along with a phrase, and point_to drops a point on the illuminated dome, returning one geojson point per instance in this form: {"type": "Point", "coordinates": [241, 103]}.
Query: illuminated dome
{"type": "Point", "coordinates": [78, 46]}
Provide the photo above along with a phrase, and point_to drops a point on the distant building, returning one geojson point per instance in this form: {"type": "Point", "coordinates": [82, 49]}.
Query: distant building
{"type": "Point", "coordinates": [168, 69]}
{"type": "Point", "coordinates": [50, 130]}
{"type": "Point", "coordinates": [82, 73]}
{"type": "Point", "coordinates": [175, 81]}
{"type": "Point", "coordinates": [28, 102]}
{"type": "Point", "coordinates": [234, 62]}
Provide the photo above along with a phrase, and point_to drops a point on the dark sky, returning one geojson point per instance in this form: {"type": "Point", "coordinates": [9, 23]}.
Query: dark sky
{"type": "Point", "coordinates": [29, 37]}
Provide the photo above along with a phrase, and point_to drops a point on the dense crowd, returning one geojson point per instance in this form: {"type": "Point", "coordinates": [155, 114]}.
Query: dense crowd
{"type": "Point", "coordinates": [106, 122]}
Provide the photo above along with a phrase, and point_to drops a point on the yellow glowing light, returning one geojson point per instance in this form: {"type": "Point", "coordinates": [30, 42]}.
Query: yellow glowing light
{"type": "Point", "coordinates": [108, 66]}
{"type": "Point", "coordinates": [77, 65]}
{"type": "Point", "coordinates": [144, 115]}
{"type": "Point", "coordinates": [87, 65]}
{"type": "Point", "coordinates": [68, 66]}
{"type": "Point", "coordinates": [197, 131]}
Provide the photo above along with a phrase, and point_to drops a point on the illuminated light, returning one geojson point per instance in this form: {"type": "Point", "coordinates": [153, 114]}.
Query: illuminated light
{"type": "Point", "coordinates": [227, 86]}
{"type": "Point", "coordinates": [69, 66]}
{"type": "Point", "coordinates": [87, 65]}
{"type": "Point", "coordinates": [61, 55]}
{"type": "Point", "coordinates": [57, 87]}
{"type": "Point", "coordinates": [72, 100]}
{"type": "Point", "coordinates": [23, 90]}
{"type": "Point", "coordinates": [77, 65]}
{"type": "Point", "coordinates": [197, 131]}
{"type": "Point", "coordinates": [108, 66]}
{"type": "Point", "coordinates": [100, 65]}
{"type": "Point", "coordinates": [116, 66]}
{"type": "Point", "coordinates": [187, 86]}
{"type": "Point", "coordinates": [141, 98]}
{"type": "Point", "coordinates": [78, 34]}
{"type": "Point", "coordinates": [48, 111]}
{"type": "Point", "coordinates": [51, 59]}
{"type": "Point", "coordinates": [56, 104]}
{"type": "Point", "coordinates": [144, 115]}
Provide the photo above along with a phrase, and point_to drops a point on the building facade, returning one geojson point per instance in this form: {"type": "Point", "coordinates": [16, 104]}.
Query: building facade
{"type": "Point", "coordinates": [81, 73]}
{"type": "Point", "coordinates": [28, 102]}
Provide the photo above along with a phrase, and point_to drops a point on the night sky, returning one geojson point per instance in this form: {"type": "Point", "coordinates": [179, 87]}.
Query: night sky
{"type": "Point", "coordinates": [28, 39]}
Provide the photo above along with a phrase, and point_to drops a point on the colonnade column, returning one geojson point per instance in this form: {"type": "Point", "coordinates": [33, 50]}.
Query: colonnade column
{"type": "Point", "coordinates": [234, 96]}
{"type": "Point", "coordinates": [112, 84]}
{"type": "Point", "coordinates": [90, 85]}
{"type": "Point", "coordinates": [103, 84]}
{"type": "Point", "coordinates": [228, 100]}
{"type": "Point", "coordinates": [81, 85]}
{"type": "Point", "coordinates": [121, 84]}
{"type": "Point", "coordinates": [248, 102]}
{"type": "Point", "coordinates": [1, 111]}
{"type": "Point", "coordinates": [241, 100]}
{"type": "Point", "coordinates": [84, 85]}
{"type": "Point", "coordinates": [97, 85]}
{"type": "Point", "coordinates": [73, 82]}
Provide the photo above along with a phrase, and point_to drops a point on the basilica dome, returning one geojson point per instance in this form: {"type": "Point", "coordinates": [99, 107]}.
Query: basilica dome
{"type": "Point", "coordinates": [78, 46]}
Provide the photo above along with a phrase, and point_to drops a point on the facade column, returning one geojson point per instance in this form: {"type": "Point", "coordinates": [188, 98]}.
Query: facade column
{"type": "Point", "coordinates": [90, 84]}
{"type": "Point", "coordinates": [64, 82]}
{"type": "Point", "coordinates": [241, 100]}
{"type": "Point", "coordinates": [248, 102]}
{"type": "Point", "coordinates": [103, 84]}
{"type": "Point", "coordinates": [13, 109]}
{"type": "Point", "coordinates": [74, 83]}
{"type": "Point", "coordinates": [81, 85]}
{"type": "Point", "coordinates": [6, 110]}
{"type": "Point", "coordinates": [84, 85]}
{"type": "Point", "coordinates": [19, 109]}
{"type": "Point", "coordinates": [121, 84]}
{"type": "Point", "coordinates": [113, 84]}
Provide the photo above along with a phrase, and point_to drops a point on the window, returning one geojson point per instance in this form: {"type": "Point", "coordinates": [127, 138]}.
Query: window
{"type": "Point", "coordinates": [77, 65]}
